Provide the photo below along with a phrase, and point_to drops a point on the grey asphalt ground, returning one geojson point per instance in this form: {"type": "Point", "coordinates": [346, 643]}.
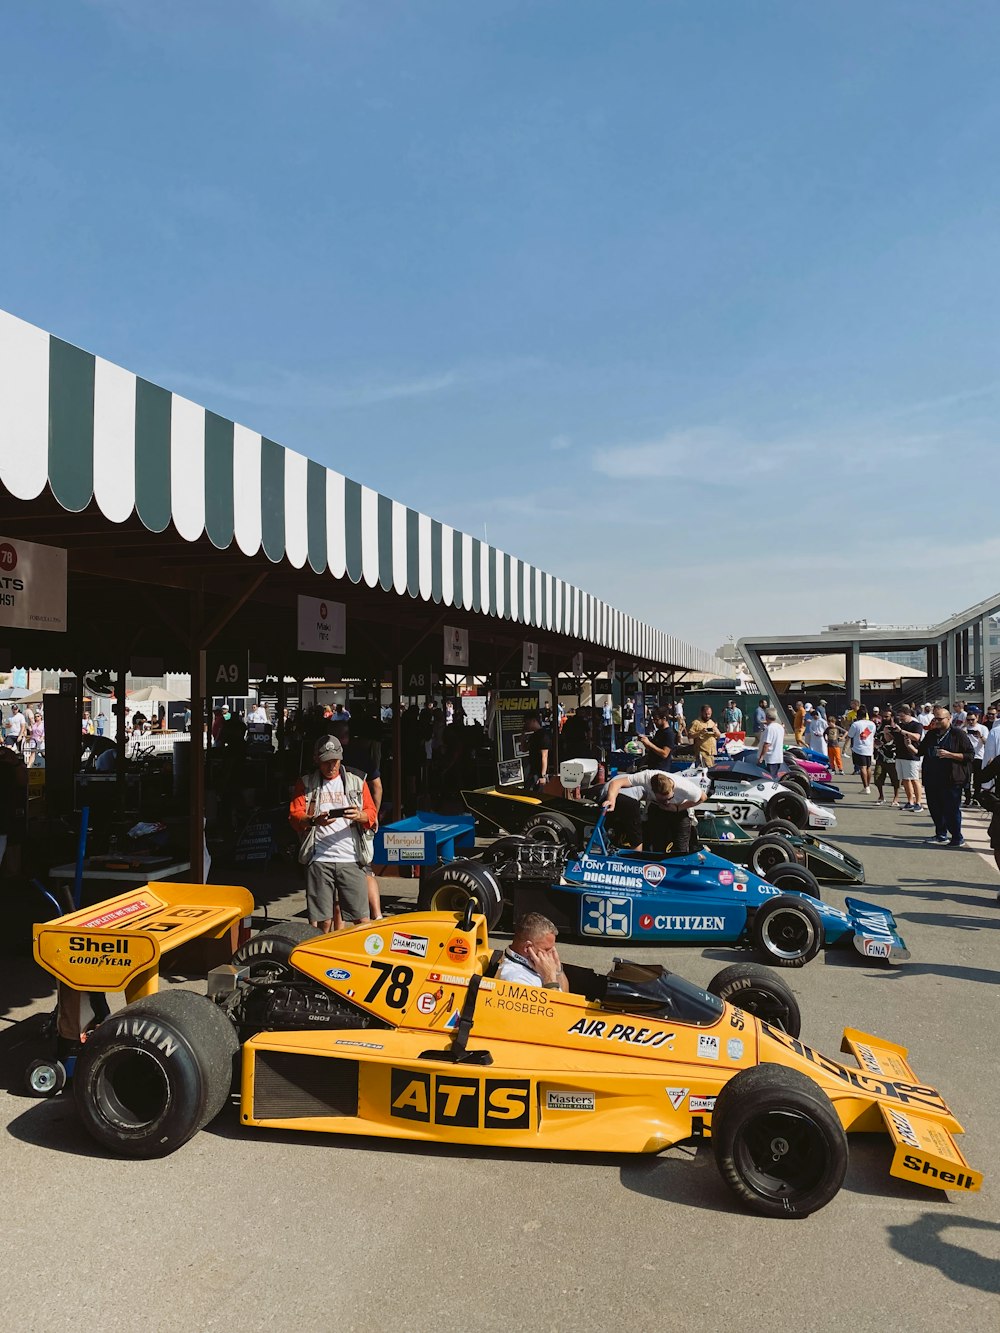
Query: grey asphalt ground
{"type": "Point", "coordinates": [248, 1230]}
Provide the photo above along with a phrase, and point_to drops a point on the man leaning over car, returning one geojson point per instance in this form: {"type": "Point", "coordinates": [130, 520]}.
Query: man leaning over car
{"type": "Point", "coordinates": [670, 796]}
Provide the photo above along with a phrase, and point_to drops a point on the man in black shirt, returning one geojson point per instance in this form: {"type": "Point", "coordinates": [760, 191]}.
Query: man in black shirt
{"type": "Point", "coordinates": [538, 742]}
{"type": "Point", "coordinates": [947, 754]}
{"type": "Point", "coordinates": [662, 744]}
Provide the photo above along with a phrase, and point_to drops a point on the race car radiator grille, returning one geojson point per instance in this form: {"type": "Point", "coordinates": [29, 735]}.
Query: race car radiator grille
{"type": "Point", "coordinates": [290, 1087]}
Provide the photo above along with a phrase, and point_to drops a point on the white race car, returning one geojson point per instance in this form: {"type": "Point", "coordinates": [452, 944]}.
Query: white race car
{"type": "Point", "coordinates": [756, 803]}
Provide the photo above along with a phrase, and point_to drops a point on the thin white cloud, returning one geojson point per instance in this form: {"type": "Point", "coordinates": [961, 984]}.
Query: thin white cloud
{"type": "Point", "coordinates": [560, 443]}
{"type": "Point", "coordinates": [728, 456]}
{"type": "Point", "coordinates": [278, 387]}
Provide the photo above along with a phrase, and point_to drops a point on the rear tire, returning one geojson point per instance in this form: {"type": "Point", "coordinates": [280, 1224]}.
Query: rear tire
{"type": "Point", "coordinates": [552, 826]}
{"type": "Point", "coordinates": [449, 888]}
{"type": "Point", "coordinates": [788, 931]}
{"type": "Point", "coordinates": [267, 954]}
{"type": "Point", "coordinates": [155, 1072]}
{"type": "Point", "coordinates": [778, 1142]}
{"type": "Point", "coordinates": [795, 782]}
{"type": "Point", "coordinates": [759, 991]}
{"type": "Point", "coordinates": [788, 805]}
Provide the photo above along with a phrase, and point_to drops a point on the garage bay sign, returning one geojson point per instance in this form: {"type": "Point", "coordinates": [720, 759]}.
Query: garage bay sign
{"type": "Point", "coordinates": [32, 585]}
{"type": "Point", "coordinates": [322, 625]}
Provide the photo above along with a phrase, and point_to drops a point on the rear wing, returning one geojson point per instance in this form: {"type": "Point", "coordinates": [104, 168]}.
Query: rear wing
{"type": "Point", "coordinates": [925, 1151]}
{"type": "Point", "coordinates": [117, 945]}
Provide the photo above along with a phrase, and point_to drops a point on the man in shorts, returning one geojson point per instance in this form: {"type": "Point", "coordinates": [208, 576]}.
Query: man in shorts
{"type": "Point", "coordinates": [339, 806]}
{"type": "Point", "coordinates": [909, 734]}
{"type": "Point", "coordinates": [861, 734]}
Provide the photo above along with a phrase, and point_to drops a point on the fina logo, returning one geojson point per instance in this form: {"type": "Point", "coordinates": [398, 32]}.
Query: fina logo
{"type": "Point", "coordinates": [653, 874]}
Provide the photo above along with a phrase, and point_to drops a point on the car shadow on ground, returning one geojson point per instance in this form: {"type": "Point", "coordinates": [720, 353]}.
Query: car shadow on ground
{"type": "Point", "coordinates": [951, 920]}
{"type": "Point", "coordinates": [24, 982]}
{"type": "Point", "coordinates": [922, 1242]}
{"type": "Point", "coordinates": [52, 1123]}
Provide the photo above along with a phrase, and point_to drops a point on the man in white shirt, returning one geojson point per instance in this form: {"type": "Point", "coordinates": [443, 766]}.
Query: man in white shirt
{"type": "Point", "coordinates": [771, 747]}
{"type": "Point", "coordinates": [532, 958]}
{"type": "Point", "coordinates": [15, 728]}
{"type": "Point", "coordinates": [978, 735]}
{"type": "Point", "coordinates": [861, 734]}
{"type": "Point", "coordinates": [258, 714]}
{"type": "Point", "coordinates": [670, 797]}
{"type": "Point", "coordinates": [926, 716]}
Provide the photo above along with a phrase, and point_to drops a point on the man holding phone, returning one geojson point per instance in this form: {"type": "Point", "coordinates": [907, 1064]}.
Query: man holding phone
{"type": "Point", "coordinates": [338, 805]}
{"type": "Point", "coordinates": [946, 752]}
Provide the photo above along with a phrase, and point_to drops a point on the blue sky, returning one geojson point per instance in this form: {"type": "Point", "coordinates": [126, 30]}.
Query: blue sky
{"type": "Point", "coordinates": [695, 305]}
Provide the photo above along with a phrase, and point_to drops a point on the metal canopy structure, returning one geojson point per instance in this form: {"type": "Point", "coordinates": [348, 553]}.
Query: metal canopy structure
{"type": "Point", "coordinates": [960, 661]}
{"type": "Point", "coordinates": [142, 486]}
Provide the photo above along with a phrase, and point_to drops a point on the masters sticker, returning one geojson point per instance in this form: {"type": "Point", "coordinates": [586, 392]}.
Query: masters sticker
{"type": "Point", "coordinates": [570, 1101]}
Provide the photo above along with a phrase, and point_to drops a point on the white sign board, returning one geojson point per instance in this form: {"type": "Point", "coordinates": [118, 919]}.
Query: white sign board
{"type": "Point", "coordinates": [456, 646]}
{"type": "Point", "coordinates": [529, 658]}
{"type": "Point", "coordinates": [322, 626]}
{"type": "Point", "coordinates": [32, 585]}
{"type": "Point", "coordinates": [578, 664]}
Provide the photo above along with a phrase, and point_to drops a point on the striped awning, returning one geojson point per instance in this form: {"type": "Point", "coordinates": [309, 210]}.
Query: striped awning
{"type": "Point", "coordinates": [93, 432]}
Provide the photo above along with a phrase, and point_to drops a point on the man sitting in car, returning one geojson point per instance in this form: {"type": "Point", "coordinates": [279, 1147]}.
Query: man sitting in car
{"type": "Point", "coordinates": [532, 957]}
{"type": "Point", "coordinates": [670, 797]}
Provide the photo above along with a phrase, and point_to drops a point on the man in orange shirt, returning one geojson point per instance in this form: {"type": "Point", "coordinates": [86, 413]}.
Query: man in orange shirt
{"type": "Point", "coordinates": [335, 802]}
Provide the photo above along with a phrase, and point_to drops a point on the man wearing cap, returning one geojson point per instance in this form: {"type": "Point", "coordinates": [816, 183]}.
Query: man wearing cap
{"type": "Point", "coordinates": [339, 806]}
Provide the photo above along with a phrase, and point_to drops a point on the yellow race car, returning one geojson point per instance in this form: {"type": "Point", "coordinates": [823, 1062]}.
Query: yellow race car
{"type": "Point", "coordinates": [400, 1028]}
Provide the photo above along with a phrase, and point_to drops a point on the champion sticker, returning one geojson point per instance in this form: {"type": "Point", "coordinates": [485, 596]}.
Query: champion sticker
{"type": "Point", "coordinates": [708, 1047]}
{"type": "Point", "coordinates": [415, 945]}
{"type": "Point", "coordinates": [701, 1104]}
{"type": "Point", "coordinates": [374, 944]}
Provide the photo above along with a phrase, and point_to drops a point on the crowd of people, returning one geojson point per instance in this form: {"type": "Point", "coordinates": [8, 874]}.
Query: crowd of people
{"type": "Point", "coordinates": [944, 758]}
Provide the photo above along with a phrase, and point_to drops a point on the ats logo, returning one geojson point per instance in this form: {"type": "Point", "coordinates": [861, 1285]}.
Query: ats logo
{"type": "Point", "coordinates": [465, 1103]}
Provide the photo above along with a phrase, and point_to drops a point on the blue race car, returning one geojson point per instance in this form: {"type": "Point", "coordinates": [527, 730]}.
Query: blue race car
{"type": "Point", "coordinates": [696, 899]}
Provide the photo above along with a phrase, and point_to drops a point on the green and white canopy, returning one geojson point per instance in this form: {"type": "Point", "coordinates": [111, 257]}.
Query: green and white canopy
{"type": "Point", "coordinates": [93, 432]}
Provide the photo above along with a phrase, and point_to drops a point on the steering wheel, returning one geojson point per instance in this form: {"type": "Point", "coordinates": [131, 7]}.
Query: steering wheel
{"type": "Point", "coordinates": [467, 915]}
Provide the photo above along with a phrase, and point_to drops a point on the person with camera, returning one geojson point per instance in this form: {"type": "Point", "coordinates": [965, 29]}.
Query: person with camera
{"type": "Point", "coordinates": [333, 807]}
{"type": "Point", "coordinates": [908, 733]}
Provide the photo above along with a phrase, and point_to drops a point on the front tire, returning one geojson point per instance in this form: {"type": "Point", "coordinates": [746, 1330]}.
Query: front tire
{"type": "Point", "coordinates": [768, 852]}
{"type": "Point", "coordinates": [794, 878]}
{"type": "Point", "coordinates": [449, 888]}
{"type": "Point", "coordinates": [788, 931]}
{"type": "Point", "coordinates": [778, 1142]}
{"type": "Point", "coordinates": [758, 991]}
{"type": "Point", "coordinates": [154, 1073]}
{"type": "Point", "coordinates": [781, 826]}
